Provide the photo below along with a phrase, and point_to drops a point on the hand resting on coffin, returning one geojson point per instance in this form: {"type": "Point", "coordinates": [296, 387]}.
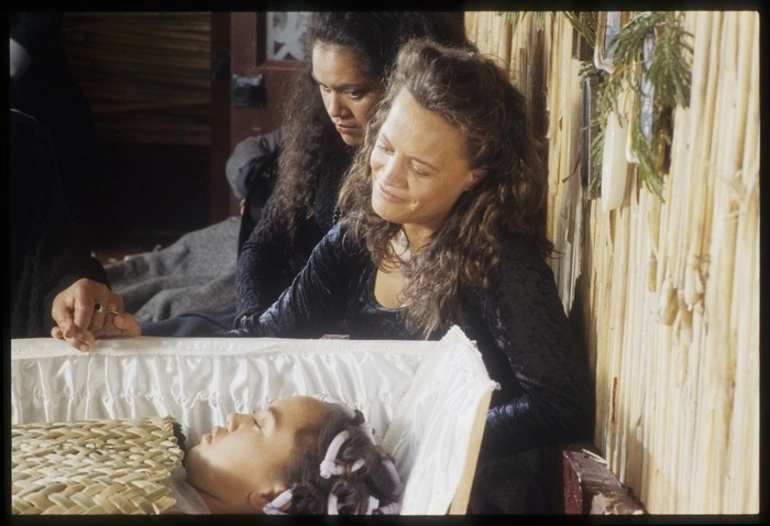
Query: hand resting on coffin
{"type": "Point", "coordinates": [87, 310]}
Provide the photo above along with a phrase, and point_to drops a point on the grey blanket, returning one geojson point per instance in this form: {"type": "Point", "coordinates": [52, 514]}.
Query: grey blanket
{"type": "Point", "coordinates": [195, 272]}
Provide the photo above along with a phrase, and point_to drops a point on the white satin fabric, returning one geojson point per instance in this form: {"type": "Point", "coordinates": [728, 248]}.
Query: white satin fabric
{"type": "Point", "coordinates": [421, 397]}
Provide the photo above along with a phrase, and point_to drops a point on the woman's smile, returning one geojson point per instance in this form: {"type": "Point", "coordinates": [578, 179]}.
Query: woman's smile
{"type": "Point", "coordinates": [387, 196]}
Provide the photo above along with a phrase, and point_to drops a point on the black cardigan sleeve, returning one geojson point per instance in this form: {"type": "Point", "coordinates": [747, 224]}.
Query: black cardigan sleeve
{"type": "Point", "coordinates": [315, 301]}
{"type": "Point", "coordinates": [526, 320]}
{"type": "Point", "coordinates": [267, 264]}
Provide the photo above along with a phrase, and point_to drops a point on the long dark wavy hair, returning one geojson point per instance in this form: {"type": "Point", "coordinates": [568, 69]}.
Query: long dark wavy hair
{"type": "Point", "coordinates": [313, 153]}
{"type": "Point", "coordinates": [471, 92]}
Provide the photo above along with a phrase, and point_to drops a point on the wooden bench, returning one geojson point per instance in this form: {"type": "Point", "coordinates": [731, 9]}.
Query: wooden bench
{"type": "Point", "coordinates": [590, 488]}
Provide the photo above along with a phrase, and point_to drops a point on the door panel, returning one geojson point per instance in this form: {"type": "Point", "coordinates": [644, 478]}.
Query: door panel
{"type": "Point", "coordinates": [262, 48]}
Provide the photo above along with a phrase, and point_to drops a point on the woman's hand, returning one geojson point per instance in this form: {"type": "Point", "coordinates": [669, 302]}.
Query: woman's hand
{"type": "Point", "coordinates": [87, 310]}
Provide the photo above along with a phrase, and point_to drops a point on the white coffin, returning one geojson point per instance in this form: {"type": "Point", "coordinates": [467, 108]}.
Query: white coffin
{"type": "Point", "coordinates": [426, 400]}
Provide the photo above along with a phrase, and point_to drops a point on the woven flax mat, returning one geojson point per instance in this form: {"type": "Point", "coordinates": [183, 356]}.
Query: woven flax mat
{"type": "Point", "coordinates": [114, 466]}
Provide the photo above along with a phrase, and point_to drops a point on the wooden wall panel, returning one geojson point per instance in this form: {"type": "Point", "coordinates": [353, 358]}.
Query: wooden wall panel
{"type": "Point", "coordinates": [146, 75]}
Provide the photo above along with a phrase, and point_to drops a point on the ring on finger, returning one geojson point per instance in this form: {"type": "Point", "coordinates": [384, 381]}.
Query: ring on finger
{"type": "Point", "coordinates": [98, 307]}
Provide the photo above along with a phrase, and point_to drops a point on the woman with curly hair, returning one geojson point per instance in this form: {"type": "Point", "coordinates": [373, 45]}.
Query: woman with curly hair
{"type": "Point", "coordinates": [351, 55]}
{"type": "Point", "coordinates": [443, 224]}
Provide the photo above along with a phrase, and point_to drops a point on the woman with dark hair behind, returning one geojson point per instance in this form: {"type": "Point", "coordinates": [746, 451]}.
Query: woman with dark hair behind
{"type": "Point", "coordinates": [443, 224]}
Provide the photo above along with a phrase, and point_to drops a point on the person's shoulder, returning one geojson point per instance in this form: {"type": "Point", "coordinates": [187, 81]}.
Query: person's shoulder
{"type": "Point", "coordinates": [340, 232]}
{"type": "Point", "coordinates": [343, 236]}
{"type": "Point", "coordinates": [21, 121]}
{"type": "Point", "coordinates": [521, 260]}
{"type": "Point", "coordinates": [520, 247]}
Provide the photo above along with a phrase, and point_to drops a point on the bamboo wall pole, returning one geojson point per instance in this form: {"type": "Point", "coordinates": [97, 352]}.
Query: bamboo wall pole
{"type": "Point", "coordinates": [744, 427]}
{"type": "Point", "coordinates": [562, 149]}
{"type": "Point", "coordinates": [716, 356]}
{"type": "Point", "coordinates": [691, 363]}
{"type": "Point", "coordinates": [723, 250]}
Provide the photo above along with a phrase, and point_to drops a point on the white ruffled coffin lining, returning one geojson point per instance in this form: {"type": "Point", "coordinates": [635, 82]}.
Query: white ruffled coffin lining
{"type": "Point", "coordinates": [421, 397]}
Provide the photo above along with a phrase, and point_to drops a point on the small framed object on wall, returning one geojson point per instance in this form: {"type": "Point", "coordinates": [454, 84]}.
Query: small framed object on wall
{"type": "Point", "coordinates": [607, 28]}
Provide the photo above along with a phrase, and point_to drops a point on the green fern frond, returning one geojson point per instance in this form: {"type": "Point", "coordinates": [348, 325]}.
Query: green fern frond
{"type": "Point", "coordinates": [669, 69]}
{"type": "Point", "coordinates": [584, 23]}
{"type": "Point", "coordinates": [668, 72]}
{"type": "Point", "coordinates": [647, 170]}
{"type": "Point", "coordinates": [596, 150]}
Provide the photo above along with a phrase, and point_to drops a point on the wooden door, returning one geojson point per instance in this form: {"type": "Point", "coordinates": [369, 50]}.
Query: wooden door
{"type": "Point", "coordinates": [253, 56]}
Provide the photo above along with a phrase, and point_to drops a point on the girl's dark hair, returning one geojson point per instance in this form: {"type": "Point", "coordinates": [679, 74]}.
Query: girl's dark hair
{"type": "Point", "coordinates": [472, 93]}
{"type": "Point", "coordinates": [310, 491]}
{"type": "Point", "coordinates": [313, 154]}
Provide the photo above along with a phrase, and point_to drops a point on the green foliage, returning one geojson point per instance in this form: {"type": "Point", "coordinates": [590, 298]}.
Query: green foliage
{"type": "Point", "coordinates": [584, 23]}
{"type": "Point", "coordinates": [668, 72]}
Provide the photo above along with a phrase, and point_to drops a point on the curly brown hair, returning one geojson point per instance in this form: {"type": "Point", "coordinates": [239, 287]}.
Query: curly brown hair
{"type": "Point", "coordinates": [313, 154]}
{"type": "Point", "coordinates": [470, 91]}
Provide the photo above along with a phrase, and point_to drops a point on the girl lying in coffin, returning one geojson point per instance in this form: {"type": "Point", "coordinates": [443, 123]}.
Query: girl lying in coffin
{"type": "Point", "coordinates": [301, 455]}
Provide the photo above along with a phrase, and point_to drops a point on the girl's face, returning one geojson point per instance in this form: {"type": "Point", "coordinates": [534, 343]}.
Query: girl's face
{"type": "Point", "coordinates": [419, 167]}
{"type": "Point", "coordinates": [240, 467]}
{"type": "Point", "coordinates": [347, 93]}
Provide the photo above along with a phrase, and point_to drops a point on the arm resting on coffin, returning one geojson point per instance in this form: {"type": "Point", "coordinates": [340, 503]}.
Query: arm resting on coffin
{"type": "Point", "coordinates": [264, 268]}
{"type": "Point", "coordinates": [316, 298]}
{"type": "Point", "coordinates": [526, 320]}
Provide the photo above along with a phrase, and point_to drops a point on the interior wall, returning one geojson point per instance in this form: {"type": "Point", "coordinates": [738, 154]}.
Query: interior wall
{"type": "Point", "coordinates": [666, 292]}
{"type": "Point", "coordinates": [147, 79]}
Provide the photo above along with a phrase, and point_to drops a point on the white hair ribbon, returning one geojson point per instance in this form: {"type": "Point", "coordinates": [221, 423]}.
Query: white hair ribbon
{"type": "Point", "coordinates": [329, 465]}
{"type": "Point", "coordinates": [275, 506]}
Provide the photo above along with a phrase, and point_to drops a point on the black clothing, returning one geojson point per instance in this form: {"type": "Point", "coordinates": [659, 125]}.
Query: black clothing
{"type": "Point", "coordinates": [208, 323]}
{"type": "Point", "coordinates": [268, 261]}
{"type": "Point", "coordinates": [518, 323]}
{"type": "Point", "coordinates": [49, 248]}
{"type": "Point", "coordinates": [258, 181]}
{"type": "Point", "coordinates": [48, 92]}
